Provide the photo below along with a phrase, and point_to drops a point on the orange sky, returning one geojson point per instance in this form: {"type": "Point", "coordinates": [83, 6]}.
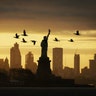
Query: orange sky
{"type": "Point", "coordinates": [85, 44]}
{"type": "Point", "coordinates": [63, 17]}
{"type": "Point", "coordinates": [40, 15]}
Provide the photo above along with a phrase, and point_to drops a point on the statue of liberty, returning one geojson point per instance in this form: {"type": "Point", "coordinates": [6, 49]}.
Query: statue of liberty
{"type": "Point", "coordinates": [44, 45]}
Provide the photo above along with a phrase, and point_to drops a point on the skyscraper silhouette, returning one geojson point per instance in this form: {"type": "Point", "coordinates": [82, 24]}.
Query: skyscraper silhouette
{"type": "Point", "coordinates": [1, 63]}
{"type": "Point", "coordinates": [92, 65]}
{"type": "Point", "coordinates": [76, 65]}
{"type": "Point", "coordinates": [4, 64]}
{"type": "Point", "coordinates": [29, 62]}
{"type": "Point", "coordinates": [15, 57]}
{"type": "Point", "coordinates": [94, 56]}
{"type": "Point", "coordinates": [58, 61]}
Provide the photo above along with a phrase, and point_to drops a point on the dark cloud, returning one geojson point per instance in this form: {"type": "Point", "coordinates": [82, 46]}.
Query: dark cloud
{"type": "Point", "coordinates": [70, 11]}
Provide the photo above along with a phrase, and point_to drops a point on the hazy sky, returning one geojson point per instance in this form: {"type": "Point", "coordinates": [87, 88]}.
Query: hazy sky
{"type": "Point", "coordinates": [39, 15]}
{"type": "Point", "coordinates": [61, 16]}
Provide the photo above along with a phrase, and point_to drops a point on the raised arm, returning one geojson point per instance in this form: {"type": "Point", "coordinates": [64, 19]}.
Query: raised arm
{"type": "Point", "coordinates": [48, 33]}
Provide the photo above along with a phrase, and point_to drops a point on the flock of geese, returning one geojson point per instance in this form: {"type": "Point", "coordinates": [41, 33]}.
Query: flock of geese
{"type": "Point", "coordinates": [23, 40]}
{"type": "Point", "coordinates": [34, 41]}
{"type": "Point", "coordinates": [71, 40]}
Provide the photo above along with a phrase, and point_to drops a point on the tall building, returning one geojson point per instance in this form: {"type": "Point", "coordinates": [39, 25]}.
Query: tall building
{"type": "Point", "coordinates": [1, 63]}
{"type": "Point", "coordinates": [15, 57]}
{"type": "Point", "coordinates": [92, 66]}
{"type": "Point", "coordinates": [94, 56]}
{"type": "Point", "coordinates": [76, 65]}
{"type": "Point", "coordinates": [4, 64]}
{"type": "Point", "coordinates": [29, 62]}
{"type": "Point", "coordinates": [57, 61]}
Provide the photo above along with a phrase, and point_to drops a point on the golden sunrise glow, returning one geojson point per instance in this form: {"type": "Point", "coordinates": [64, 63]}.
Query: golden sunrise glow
{"type": "Point", "coordinates": [85, 45]}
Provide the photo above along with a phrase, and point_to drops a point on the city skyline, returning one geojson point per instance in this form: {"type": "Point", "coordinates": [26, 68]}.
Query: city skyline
{"type": "Point", "coordinates": [80, 45]}
{"type": "Point", "coordinates": [63, 17]}
{"type": "Point", "coordinates": [31, 60]}
{"type": "Point", "coordinates": [78, 60]}
{"type": "Point", "coordinates": [42, 70]}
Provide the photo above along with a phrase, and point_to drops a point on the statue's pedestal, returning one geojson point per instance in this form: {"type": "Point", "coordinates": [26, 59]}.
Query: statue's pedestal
{"type": "Point", "coordinates": [43, 71]}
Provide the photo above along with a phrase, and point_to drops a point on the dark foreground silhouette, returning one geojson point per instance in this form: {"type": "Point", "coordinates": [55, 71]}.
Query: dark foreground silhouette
{"type": "Point", "coordinates": [25, 78]}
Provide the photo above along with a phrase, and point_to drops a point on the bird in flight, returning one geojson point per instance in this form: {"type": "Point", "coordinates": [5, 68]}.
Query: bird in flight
{"type": "Point", "coordinates": [77, 33]}
{"type": "Point", "coordinates": [24, 41]}
{"type": "Point", "coordinates": [16, 36]}
{"type": "Point", "coordinates": [56, 39]}
{"type": "Point", "coordinates": [24, 33]}
{"type": "Point", "coordinates": [71, 40]}
{"type": "Point", "coordinates": [34, 42]}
